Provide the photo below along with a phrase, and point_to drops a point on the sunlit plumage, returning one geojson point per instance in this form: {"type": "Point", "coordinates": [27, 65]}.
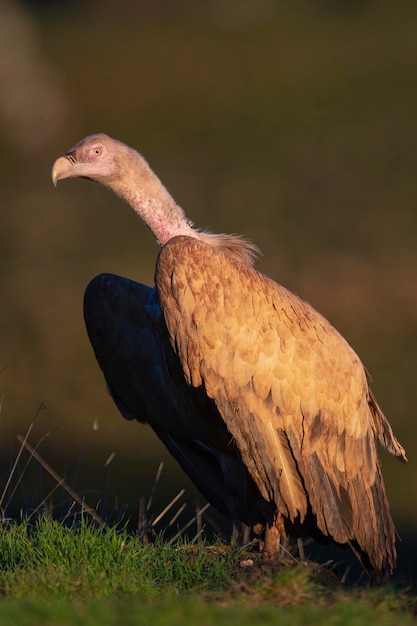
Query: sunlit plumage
{"type": "Point", "coordinates": [263, 403]}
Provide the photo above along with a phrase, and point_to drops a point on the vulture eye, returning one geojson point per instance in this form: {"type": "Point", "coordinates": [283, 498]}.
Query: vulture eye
{"type": "Point", "coordinates": [97, 151]}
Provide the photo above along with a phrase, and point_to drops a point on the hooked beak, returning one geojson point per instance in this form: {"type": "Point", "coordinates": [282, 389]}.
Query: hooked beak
{"type": "Point", "coordinates": [64, 167]}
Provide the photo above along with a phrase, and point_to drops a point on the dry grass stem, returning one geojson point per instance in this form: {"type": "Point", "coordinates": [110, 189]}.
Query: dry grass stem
{"type": "Point", "coordinates": [61, 481]}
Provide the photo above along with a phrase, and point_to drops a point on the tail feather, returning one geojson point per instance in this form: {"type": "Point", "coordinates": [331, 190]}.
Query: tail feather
{"type": "Point", "coordinates": [383, 431]}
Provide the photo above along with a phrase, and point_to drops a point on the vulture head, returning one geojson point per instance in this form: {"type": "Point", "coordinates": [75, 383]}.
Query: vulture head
{"type": "Point", "coordinates": [97, 157]}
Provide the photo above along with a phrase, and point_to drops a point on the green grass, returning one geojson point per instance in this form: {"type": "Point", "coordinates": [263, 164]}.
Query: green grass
{"type": "Point", "coordinates": [195, 611]}
{"type": "Point", "coordinates": [52, 574]}
{"type": "Point", "coordinates": [51, 560]}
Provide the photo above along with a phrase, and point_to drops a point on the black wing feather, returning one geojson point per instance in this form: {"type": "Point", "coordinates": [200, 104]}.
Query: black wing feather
{"type": "Point", "coordinates": [127, 330]}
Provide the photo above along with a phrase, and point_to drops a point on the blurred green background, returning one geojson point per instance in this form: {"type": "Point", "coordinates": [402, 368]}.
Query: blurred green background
{"type": "Point", "coordinates": [291, 122]}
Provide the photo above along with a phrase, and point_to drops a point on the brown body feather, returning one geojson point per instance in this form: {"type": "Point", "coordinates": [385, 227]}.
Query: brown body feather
{"type": "Point", "coordinates": [292, 392]}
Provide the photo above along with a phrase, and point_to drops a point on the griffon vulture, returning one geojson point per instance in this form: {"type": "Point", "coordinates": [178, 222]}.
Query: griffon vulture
{"type": "Point", "coordinates": [262, 402]}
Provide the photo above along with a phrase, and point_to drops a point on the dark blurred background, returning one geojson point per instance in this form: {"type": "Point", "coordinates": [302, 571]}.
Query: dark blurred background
{"type": "Point", "coordinates": [293, 123]}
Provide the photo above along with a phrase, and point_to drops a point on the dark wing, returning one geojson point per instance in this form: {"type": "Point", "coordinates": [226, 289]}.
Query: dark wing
{"type": "Point", "coordinates": [291, 391]}
{"type": "Point", "coordinates": [145, 379]}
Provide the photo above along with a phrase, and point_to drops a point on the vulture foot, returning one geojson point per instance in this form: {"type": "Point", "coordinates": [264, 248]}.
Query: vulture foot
{"type": "Point", "coordinates": [273, 540]}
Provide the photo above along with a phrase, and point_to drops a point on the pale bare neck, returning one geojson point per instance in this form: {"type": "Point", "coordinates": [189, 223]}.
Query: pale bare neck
{"type": "Point", "coordinates": [162, 215]}
{"type": "Point", "coordinates": [145, 193]}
